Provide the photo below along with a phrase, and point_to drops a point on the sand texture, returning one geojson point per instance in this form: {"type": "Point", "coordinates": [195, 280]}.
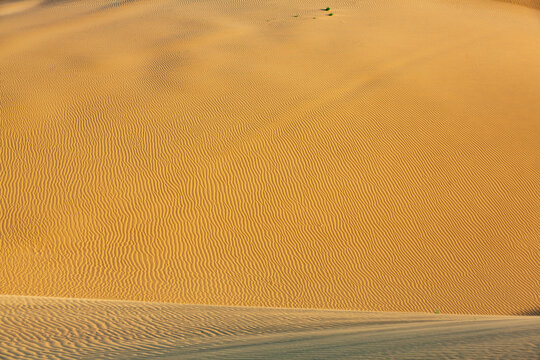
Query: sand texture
{"type": "Point", "coordinates": [232, 153]}
{"type": "Point", "coordinates": [531, 3]}
{"type": "Point", "coordinates": [49, 328]}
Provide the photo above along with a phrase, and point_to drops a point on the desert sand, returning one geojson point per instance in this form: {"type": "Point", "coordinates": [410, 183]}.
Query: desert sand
{"type": "Point", "coordinates": [531, 3]}
{"type": "Point", "coordinates": [49, 328]}
{"type": "Point", "coordinates": [263, 153]}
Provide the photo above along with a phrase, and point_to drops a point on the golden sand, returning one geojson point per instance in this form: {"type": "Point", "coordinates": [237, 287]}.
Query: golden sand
{"type": "Point", "coordinates": [531, 3]}
{"type": "Point", "coordinates": [231, 152]}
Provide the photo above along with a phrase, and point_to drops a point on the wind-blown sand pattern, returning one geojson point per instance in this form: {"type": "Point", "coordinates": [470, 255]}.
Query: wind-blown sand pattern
{"type": "Point", "coordinates": [531, 3]}
{"type": "Point", "coordinates": [47, 328]}
{"type": "Point", "coordinates": [227, 152]}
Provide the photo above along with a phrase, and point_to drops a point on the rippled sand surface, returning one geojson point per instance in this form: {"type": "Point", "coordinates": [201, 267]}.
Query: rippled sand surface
{"type": "Point", "coordinates": [52, 328]}
{"type": "Point", "coordinates": [263, 153]}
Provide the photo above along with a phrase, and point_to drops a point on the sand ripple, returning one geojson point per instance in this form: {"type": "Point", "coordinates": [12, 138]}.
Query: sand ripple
{"type": "Point", "coordinates": [226, 152]}
{"type": "Point", "coordinates": [48, 328]}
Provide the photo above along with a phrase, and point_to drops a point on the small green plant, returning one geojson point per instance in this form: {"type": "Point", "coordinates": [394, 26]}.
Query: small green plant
{"type": "Point", "coordinates": [327, 9]}
{"type": "Point", "coordinates": [331, 14]}
{"type": "Point", "coordinates": [297, 15]}
{"type": "Point", "coordinates": [437, 311]}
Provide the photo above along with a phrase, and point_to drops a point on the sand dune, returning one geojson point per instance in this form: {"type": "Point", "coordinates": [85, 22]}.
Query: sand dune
{"type": "Point", "coordinates": [11, 7]}
{"type": "Point", "coordinates": [39, 328]}
{"type": "Point", "coordinates": [227, 152]}
{"type": "Point", "coordinates": [531, 3]}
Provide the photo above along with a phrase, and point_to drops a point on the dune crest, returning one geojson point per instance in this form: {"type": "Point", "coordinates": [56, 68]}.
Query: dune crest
{"type": "Point", "coordinates": [266, 154]}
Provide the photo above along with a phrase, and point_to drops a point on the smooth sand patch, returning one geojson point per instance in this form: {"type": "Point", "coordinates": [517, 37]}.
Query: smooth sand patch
{"type": "Point", "coordinates": [228, 152]}
{"type": "Point", "coordinates": [11, 7]}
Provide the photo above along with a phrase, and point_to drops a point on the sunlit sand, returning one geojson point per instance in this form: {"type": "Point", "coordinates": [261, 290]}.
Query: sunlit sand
{"type": "Point", "coordinates": [266, 154]}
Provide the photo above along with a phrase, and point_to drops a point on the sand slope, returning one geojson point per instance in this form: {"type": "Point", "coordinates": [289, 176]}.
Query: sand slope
{"type": "Point", "coordinates": [227, 152]}
{"type": "Point", "coordinates": [531, 3]}
{"type": "Point", "coordinates": [39, 328]}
